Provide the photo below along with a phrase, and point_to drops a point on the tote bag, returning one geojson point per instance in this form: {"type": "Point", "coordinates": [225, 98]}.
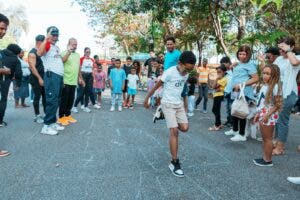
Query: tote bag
{"type": "Point", "coordinates": [239, 106]}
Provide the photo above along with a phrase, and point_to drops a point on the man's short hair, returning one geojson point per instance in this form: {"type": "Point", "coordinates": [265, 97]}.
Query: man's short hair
{"type": "Point", "coordinates": [117, 60]}
{"type": "Point", "coordinates": [16, 49]}
{"type": "Point", "coordinates": [4, 19]}
{"type": "Point", "coordinates": [225, 59]}
{"type": "Point", "coordinates": [39, 38]}
{"type": "Point", "coordinates": [96, 56]}
{"type": "Point", "coordinates": [171, 38]}
{"type": "Point", "coordinates": [204, 60]}
{"type": "Point", "coordinates": [129, 58]}
{"type": "Point", "coordinates": [274, 51]}
{"type": "Point", "coordinates": [187, 57]}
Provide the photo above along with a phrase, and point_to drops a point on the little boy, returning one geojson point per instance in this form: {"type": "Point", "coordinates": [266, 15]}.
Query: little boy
{"type": "Point", "coordinates": [117, 78]}
{"type": "Point", "coordinates": [132, 87]}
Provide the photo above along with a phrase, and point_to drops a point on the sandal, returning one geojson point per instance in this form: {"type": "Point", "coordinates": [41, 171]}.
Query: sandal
{"type": "Point", "coordinates": [277, 152]}
{"type": "Point", "coordinates": [4, 153]}
{"type": "Point", "coordinates": [279, 149]}
{"type": "Point", "coordinates": [215, 128]}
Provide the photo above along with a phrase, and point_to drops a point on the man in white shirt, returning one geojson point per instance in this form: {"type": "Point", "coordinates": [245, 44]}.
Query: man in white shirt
{"type": "Point", "coordinates": [53, 79]}
{"type": "Point", "coordinates": [289, 65]}
{"type": "Point", "coordinates": [172, 106]}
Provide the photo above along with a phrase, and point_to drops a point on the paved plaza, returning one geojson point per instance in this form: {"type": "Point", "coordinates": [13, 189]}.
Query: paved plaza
{"type": "Point", "coordinates": [123, 155]}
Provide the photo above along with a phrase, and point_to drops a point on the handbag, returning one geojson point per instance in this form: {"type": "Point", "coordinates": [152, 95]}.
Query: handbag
{"type": "Point", "coordinates": [239, 106]}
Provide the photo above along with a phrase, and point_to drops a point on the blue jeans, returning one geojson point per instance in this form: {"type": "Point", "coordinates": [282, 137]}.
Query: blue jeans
{"type": "Point", "coordinates": [229, 102]}
{"type": "Point", "coordinates": [203, 93]}
{"type": "Point", "coordinates": [282, 126]}
{"type": "Point", "coordinates": [53, 86]}
{"type": "Point", "coordinates": [116, 99]}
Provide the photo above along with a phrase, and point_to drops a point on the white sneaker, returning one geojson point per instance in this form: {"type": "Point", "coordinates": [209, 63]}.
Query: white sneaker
{"type": "Point", "coordinates": [120, 108]}
{"type": "Point", "coordinates": [190, 114]}
{"type": "Point", "coordinates": [295, 180]}
{"type": "Point", "coordinates": [97, 106]}
{"type": "Point", "coordinates": [82, 107]}
{"type": "Point", "coordinates": [86, 109]}
{"type": "Point", "coordinates": [112, 109]}
{"type": "Point", "coordinates": [231, 132]}
{"type": "Point", "coordinates": [57, 127]}
{"type": "Point", "coordinates": [39, 119]}
{"type": "Point", "coordinates": [204, 111]}
{"type": "Point", "coordinates": [238, 138]}
{"type": "Point", "coordinates": [74, 110]}
{"type": "Point", "coordinates": [47, 130]}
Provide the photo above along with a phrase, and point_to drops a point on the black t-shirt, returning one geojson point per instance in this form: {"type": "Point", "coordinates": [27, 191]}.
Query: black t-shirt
{"type": "Point", "coordinates": [109, 69]}
{"type": "Point", "coordinates": [39, 63]}
{"type": "Point", "coordinates": [191, 89]}
{"type": "Point", "coordinates": [127, 69]}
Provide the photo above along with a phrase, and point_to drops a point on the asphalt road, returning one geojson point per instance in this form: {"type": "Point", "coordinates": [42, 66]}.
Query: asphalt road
{"type": "Point", "coordinates": [123, 155]}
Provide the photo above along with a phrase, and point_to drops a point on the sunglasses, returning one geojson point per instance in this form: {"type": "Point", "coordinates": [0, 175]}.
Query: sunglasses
{"type": "Point", "coordinates": [187, 70]}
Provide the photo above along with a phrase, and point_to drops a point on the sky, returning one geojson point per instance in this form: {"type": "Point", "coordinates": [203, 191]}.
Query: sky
{"type": "Point", "coordinates": [68, 18]}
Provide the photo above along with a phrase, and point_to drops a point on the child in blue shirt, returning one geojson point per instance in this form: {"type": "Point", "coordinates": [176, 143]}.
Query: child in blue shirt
{"type": "Point", "coordinates": [117, 78]}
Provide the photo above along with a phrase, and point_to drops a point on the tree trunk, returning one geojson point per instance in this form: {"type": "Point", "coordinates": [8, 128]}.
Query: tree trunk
{"type": "Point", "coordinates": [126, 47]}
{"type": "Point", "coordinates": [241, 22]}
{"type": "Point", "coordinates": [217, 26]}
{"type": "Point", "coordinates": [200, 48]}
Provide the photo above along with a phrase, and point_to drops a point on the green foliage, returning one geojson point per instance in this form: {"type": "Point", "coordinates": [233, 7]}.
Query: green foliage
{"type": "Point", "coordinates": [134, 22]}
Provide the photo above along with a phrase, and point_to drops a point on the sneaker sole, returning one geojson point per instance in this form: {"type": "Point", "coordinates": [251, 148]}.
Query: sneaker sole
{"type": "Point", "coordinates": [269, 165]}
{"type": "Point", "coordinates": [238, 140]}
{"type": "Point", "coordinates": [48, 133]}
{"type": "Point", "coordinates": [177, 175]}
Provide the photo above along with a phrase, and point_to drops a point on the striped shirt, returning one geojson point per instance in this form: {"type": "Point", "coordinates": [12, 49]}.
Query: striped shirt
{"type": "Point", "coordinates": [203, 74]}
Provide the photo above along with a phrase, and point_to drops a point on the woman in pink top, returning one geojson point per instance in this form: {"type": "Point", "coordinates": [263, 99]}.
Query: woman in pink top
{"type": "Point", "coordinates": [99, 77]}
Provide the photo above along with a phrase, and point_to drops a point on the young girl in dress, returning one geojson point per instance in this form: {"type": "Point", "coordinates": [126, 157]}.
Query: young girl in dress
{"type": "Point", "coordinates": [99, 77]}
{"type": "Point", "coordinates": [269, 103]}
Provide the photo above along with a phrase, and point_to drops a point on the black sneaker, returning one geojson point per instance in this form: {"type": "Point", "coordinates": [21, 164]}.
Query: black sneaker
{"type": "Point", "coordinates": [262, 163]}
{"type": "Point", "coordinates": [3, 123]}
{"type": "Point", "coordinates": [175, 168]}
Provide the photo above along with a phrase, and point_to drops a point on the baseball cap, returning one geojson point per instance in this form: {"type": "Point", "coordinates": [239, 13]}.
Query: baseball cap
{"type": "Point", "coordinates": [54, 30]}
{"type": "Point", "coordinates": [39, 38]}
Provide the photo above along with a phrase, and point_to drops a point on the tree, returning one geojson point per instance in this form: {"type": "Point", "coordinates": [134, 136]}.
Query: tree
{"type": "Point", "coordinates": [17, 25]}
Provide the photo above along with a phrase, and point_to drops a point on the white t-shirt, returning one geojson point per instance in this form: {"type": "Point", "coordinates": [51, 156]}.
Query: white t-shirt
{"type": "Point", "coordinates": [52, 60]}
{"type": "Point", "coordinates": [173, 85]}
{"type": "Point", "coordinates": [87, 65]}
{"type": "Point", "coordinates": [263, 92]}
{"type": "Point", "coordinates": [288, 75]}
{"type": "Point", "coordinates": [132, 79]}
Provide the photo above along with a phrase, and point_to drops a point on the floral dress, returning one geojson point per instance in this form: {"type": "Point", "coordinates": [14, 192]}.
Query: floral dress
{"type": "Point", "coordinates": [263, 108]}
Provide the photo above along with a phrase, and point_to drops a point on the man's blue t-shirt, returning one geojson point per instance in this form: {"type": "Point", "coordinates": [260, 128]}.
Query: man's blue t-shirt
{"type": "Point", "coordinates": [171, 59]}
{"type": "Point", "coordinates": [117, 76]}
